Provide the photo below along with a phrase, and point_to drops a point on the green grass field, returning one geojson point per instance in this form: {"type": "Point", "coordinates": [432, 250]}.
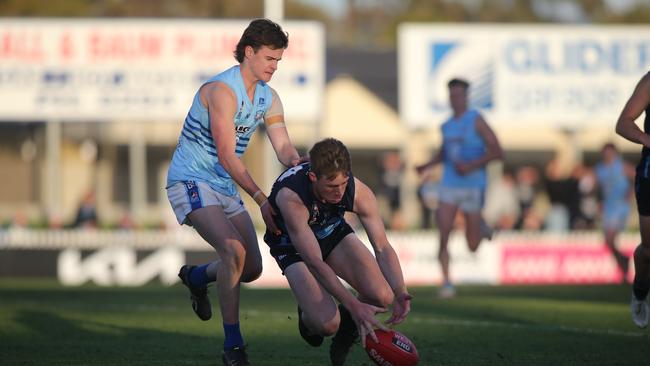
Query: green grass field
{"type": "Point", "coordinates": [42, 323]}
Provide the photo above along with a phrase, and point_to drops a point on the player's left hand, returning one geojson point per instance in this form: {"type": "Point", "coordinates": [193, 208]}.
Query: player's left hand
{"type": "Point", "coordinates": [401, 308]}
{"type": "Point", "coordinates": [364, 316]}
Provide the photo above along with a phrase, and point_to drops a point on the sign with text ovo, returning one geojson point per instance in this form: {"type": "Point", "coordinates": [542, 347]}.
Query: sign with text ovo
{"type": "Point", "coordinates": [552, 75]}
{"type": "Point", "coordinates": [95, 69]}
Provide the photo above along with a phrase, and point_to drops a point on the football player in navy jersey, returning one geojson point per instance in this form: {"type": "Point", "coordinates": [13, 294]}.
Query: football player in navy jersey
{"type": "Point", "coordinates": [316, 246]}
{"type": "Point", "coordinates": [626, 127]}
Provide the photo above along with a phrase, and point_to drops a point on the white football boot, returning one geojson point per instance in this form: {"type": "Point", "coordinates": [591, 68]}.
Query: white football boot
{"type": "Point", "coordinates": [447, 291]}
{"type": "Point", "coordinates": [640, 312]}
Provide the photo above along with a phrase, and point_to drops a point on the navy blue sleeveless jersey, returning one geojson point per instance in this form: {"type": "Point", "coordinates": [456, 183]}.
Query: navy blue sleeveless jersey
{"type": "Point", "coordinates": [324, 218]}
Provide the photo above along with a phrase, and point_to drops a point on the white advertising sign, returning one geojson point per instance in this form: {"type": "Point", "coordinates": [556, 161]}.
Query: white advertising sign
{"type": "Point", "coordinates": [139, 69]}
{"type": "Point", "coordinates": [564, 76]}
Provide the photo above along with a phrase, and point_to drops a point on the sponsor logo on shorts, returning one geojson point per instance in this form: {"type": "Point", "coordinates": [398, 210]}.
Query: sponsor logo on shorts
{"type": "Point", "coordinates": [193, 194]}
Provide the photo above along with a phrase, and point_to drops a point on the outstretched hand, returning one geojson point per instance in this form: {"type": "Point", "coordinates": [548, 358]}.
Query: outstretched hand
{"type": "Point", "coordinates": [364, 316]}
{"type": "Point", "coordinates": [401, 308]}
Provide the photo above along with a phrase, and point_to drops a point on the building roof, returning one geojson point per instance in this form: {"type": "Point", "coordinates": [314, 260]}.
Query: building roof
{"type": "Point", "coordinates": [375, 69]}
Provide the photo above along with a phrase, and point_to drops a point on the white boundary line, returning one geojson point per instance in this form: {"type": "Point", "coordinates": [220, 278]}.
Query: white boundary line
{"type": "Point", "coordinates": [486, 324]}
{"type": "Point", "coordinates": [533, 327]}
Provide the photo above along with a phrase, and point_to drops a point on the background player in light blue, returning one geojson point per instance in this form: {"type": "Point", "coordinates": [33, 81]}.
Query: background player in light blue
{"type": "Point", "coordinates": [613, 175]}
{"type": "Point", "coordinates": [206, 166]}
{"type": "Point", "coordinates": [468, 144]}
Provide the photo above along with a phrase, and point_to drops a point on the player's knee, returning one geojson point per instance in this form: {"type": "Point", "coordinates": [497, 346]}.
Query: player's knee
{"type": "Point", "coordinates": [643, 251]}
{"type": "Point", "coordinates": [473, 245]}
{"type": "Point", "coordinates": [329, 327]}
{"type": "Point", "coordinates": [383, 297]}
{"type": "Point", "coordinates": [233, 255]}
{"type": "Point", "coordinates": [473, 240]}
{"type": "Point", "coordinates": [321, 326]}
{"type": "Point", "coordinates": [252, 272]}
{"type": "Point", "coordinates": [386, 298]}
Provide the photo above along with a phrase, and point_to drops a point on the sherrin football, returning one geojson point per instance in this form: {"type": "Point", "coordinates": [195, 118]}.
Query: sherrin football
{"type": "Point", "coordinates": [393, 349]}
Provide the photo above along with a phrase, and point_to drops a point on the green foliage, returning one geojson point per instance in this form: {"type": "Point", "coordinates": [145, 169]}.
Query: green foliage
{"type": "Point", "coordinates": [42, 323]}
{"type": "Point", "coordinates": [53, 8]}
{"type": "Point", "coordinates": [153, 8]}
{"type": "Point", "coordinates": [365, 24]}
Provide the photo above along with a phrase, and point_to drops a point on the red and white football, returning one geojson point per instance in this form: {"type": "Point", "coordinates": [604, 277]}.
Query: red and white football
{"type": "Point", "coordinates": [393, 349]}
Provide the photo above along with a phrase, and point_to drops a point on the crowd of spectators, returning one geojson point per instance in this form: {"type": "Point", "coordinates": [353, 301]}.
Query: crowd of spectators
{"type": "Point", "coordinates": [527, 197]}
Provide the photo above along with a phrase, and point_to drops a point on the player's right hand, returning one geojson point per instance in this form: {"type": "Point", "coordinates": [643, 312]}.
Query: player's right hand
{"type": "Point", "coordinates": [364, 315]}
{"type": "Point", "coordinates": [267, 214]}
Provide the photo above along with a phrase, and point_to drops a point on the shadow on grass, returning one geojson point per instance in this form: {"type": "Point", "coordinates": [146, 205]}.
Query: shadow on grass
{"type": "Point", "coordinates": [50, 339]}
{"type": "Point", "coordinates": [53, 340]}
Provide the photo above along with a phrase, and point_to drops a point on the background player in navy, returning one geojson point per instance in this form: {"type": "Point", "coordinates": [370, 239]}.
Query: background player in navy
{"type": "Point", "coordinates": [626, 127]}
{"type": "Point", "coordinates": [206, 166]}
{"type": "Point", "coordinates": [468, 144]}
{"type": "Point", "coordinates": [316, 245]}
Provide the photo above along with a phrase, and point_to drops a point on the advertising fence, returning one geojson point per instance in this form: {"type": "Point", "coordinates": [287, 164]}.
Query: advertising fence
{"type": "Point", "coordinates": [127, 258]}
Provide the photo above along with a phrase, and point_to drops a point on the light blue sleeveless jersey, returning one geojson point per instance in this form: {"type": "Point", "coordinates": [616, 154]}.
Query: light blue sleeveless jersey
{"type": "Point", "coordinates": [613, 182]}
{"type": "Point", "coordinates": [195, 157]}
{"type": "Point", "coordinates": [462, 143]}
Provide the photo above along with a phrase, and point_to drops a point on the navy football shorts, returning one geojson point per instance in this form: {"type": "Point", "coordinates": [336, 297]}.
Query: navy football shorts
{"type": "Point", "coordinates": [285, 254]}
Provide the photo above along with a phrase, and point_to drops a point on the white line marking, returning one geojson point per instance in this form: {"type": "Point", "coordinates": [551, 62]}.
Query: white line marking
{"type": "Point", "coordinates": [481, 323]}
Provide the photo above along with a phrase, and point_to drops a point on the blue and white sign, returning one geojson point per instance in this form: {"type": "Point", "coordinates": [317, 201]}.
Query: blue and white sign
{"type": "Point", "coordinates": [564, 76]}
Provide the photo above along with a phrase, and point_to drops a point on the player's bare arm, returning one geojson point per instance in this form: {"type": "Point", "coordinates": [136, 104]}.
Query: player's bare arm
{"type": "Point", "coordinates": [626, 126]}
{"type": "Point", "coordinates": [365, 206]}
{"type": "Point", "coordinates": [492, 148]}
{"type": "Point", "coordinates": [278, 135]}
{"type": "Point", "coordinates": [221, 103]}
{"type": "Point", "coordinates": [296, 217]}
{"type": "Point", "coordinates": [430, 164]}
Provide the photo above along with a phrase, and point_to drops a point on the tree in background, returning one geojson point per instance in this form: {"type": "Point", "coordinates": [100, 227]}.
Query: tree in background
{"type": "Point", "coordinates": [364, 24]}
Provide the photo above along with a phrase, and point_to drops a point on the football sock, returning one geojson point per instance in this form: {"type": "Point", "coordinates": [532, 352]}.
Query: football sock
{"type": "Point", "coordinates": [640, 290]}
{"type": "Point", "coordinates": [347, 325]}
{"type": "Point", "coordinates": [199, 276]}
{"type": "Point", "coordinates": [233, 336]}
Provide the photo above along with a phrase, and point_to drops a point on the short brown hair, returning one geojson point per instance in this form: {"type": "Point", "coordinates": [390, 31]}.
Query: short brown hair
{"type": "Point", "coordinates": [329, 157]}
{"type": "Point", "coordinates": [261, 32]}
{"type": "Point", "coordinates": [458, 82]}
{"type": "Point", "coordinates": [609, 145]}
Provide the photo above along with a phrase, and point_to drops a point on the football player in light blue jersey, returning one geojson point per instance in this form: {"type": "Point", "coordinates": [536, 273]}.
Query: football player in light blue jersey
{"type": "Point", "coordinates": [468, 144]}
{"type": "Point", "coordinates": [614, 175]}
{"type": "Point", "coordinates": [206, 165]}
